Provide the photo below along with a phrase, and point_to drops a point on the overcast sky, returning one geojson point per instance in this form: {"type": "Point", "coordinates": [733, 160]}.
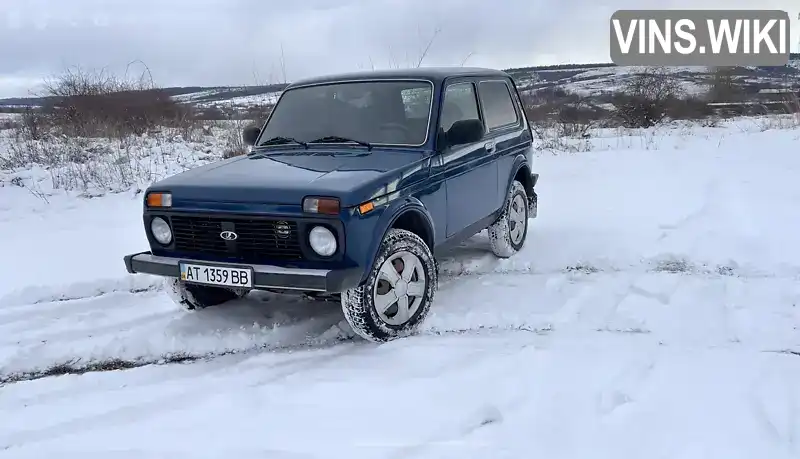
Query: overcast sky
{"type": "Point", "coordinates": [230, 42]}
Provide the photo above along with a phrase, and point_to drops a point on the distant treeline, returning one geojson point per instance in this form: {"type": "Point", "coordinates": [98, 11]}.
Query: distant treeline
{"type": "Point", "coordinates": [560, 67]}
{"type": "Point", "coordinates": [792, 56]}
{"type": "Point", "coordinates": [233, 91]}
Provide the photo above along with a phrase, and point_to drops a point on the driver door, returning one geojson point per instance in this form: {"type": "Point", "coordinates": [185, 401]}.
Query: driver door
{"type": "Point", "coordinates": [470, 171]}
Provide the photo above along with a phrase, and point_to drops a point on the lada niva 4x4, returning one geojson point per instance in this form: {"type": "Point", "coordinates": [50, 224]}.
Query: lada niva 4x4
{"type": "Point", "coordinates": [350, 187]}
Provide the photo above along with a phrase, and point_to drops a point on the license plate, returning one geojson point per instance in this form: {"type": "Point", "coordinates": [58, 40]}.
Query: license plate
{"type": "Point", "coordinates": [217, 275]}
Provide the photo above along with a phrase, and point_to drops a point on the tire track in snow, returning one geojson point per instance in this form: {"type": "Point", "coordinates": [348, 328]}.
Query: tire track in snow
{"type": "Point", "coordinates": [20, 300]}
{"type": "Point", "coordinates": [143, 379]}
{"type": "Point", "coordinates": [75, 367]}
{"type": "Point", "coordinates": [242, 326]}
{"type": "Point", "coordinates": [129, 328]}
{"type": "Point", "coordinates": [171, 397]}
{"type": "Point", "coordinates": [780, 421]}
{"type": "Point", "coordinates": [624, 389]}
{"type": "Point", "coordinates": [110, 328]}
{"type": "Point", "coordinates": [17, 304]}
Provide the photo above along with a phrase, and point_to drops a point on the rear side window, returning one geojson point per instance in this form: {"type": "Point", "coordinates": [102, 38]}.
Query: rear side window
{"type": "Point", "coordinates": [459, 104]}
{"type": "Point", "coordinates": [498, 108]}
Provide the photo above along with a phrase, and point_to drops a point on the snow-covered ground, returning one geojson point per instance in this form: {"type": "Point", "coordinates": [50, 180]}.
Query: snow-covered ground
{"type": "Point", "coordinates": [605, 80]}
{"type": "Point", "coordinates": [692, 81]}
{"type": "Point", "coordinates": [654, 312]}
{"type": "Point", "coordinates": [614, 79]}
{"type": "Point", "coordinates": [269, 98]}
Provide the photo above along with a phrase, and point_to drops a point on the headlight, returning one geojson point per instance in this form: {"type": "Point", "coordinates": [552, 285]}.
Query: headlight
{"type": "Point", "coordinates": [322, 241]}
{"type": "Point", "coordinates": [161, 231]}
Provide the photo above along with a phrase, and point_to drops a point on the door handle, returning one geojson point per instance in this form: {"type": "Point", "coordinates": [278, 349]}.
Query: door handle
{"type": "Point", "coordinates": [490, 147]}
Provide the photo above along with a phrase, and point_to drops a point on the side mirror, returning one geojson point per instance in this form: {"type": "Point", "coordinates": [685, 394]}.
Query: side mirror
{"type": "Point", "coordinates": [250, 135]}
{"type": "Point", "coordinates": [463, 132]}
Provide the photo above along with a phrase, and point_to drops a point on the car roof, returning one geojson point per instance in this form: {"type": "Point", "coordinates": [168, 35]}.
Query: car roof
{"type": "Point", "coordinates": [434, 74]}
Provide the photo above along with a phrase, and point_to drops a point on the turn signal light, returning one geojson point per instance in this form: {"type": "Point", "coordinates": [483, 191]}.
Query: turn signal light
{"type": "Point", "coordinates": [366, 207]}
{"type": "Point", "coordinates": [327, 206]}
{"type": "Point", "coordinates": [159, 200]}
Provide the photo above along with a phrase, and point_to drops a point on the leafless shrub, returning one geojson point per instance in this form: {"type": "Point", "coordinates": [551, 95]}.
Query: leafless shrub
{"type": "Point", "coordinates": [233, 141]}
{"type": "Point", "coordinates": [776, 122]}
{"type": "Point", "coordinates": [84, 103]}
{"type": "Point", "coordinates": [33, 125]}
{"type": "Point", "coordinates": [688, 108]}
{"type": "Point", "coordinates": [232, 135]}
{"type": "Point", "coordinates": [552, 136]}
{"type": "Point", "coordinates": [7, 124]}
{"type": "Point", "coordinates": [567, 114]}
{"type": "Point", "coordinates": [654, 95]}
{"type": "Point", "coordinates": [95, 166]}
{"type": "Point", "coordinates": [793, 106]}
{"type": "Point", "coordinates": [645, 99]}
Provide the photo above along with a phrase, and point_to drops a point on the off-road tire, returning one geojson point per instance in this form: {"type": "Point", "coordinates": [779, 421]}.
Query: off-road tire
{"type": "Point", "coordinates": [193, 297]}
{"type": "Point", "coordinates": [500, 238]}
{"type": "Point", "coordinates": [358, 303]}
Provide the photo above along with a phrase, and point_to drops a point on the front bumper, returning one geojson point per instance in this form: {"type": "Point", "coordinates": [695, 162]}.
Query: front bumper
{"type": "Point", "coordinates": [265, 276]}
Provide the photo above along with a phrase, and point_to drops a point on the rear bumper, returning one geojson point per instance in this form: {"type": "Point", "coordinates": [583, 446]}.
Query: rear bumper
{"type": "Point", "coordinates": [265, 276]}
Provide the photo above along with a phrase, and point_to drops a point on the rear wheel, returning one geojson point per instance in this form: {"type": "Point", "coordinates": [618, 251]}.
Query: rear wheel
{"type": "Point", "coordinates": [507, 235]}
{"type": "Point", "coordinates": [192, 297]}
{"type": "Point", "coordinates": [398, 293]}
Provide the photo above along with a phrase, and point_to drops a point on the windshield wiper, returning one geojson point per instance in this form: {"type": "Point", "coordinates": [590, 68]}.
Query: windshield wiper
{"type": "Point", "coordinates": [338, 139]}
{"type": "Point", "coordinates": [281, 140]}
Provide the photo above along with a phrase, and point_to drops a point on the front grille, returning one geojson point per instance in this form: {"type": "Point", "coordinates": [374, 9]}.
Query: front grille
{"type": "Point", "coordinates": [259, 239]}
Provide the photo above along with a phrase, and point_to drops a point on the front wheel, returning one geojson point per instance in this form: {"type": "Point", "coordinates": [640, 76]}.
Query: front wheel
{"type": "Point", "coordinates": [398, 293]}
{"type": "Point", "coordinates": [507, 234]}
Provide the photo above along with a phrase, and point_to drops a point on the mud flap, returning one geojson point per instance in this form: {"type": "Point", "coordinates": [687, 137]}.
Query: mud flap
{"type": "Point", "coordinates": [533, 199]}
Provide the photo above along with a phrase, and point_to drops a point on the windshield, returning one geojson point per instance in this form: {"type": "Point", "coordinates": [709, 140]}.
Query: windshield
{"type": "Point", "coordinates": [375, 112]}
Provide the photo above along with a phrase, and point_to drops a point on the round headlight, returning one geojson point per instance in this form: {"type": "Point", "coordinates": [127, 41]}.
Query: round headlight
{"type": "Point", "coordinates": [322, 241]}
{"type": "Point", "coordinates": [161, 231]}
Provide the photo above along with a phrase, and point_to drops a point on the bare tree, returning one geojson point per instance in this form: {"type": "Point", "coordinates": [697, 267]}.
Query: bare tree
{"type": "Point", "coordinates": [424, 53]}
{"type": "Point", "coordinates": [283, 64]}
{"type": "Point", "coordinates": [646, 97]}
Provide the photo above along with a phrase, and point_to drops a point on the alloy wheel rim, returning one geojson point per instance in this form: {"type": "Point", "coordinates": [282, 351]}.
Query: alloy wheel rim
{"type": "Point", "coordinates": [399, 288]}
{"type": "Point", "coordinates": [516, 219]}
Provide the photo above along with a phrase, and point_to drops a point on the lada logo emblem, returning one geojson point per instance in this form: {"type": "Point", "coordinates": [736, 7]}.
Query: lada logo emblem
{"type": "Point", "coordinates": [228, 235]}
{"type": "Point", "coordinates": [283, 229]}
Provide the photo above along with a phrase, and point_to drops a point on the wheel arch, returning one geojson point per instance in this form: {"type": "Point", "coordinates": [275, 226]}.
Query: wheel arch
{"type": "Point", "coordinates": [521, 172]}
{"type": "Point", "coordinates": [409, 214]}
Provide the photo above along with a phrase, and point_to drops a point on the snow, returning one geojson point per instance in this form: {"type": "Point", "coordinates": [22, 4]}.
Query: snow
{"type": "Point", "coordinates": [188, 97]}
{"type": "Point", "coordinates": [693, 80]}
{"type": "Point", "coordinates": [606, 80]}
{"type": "Point", "coordinates": [268, 98]}
{"type": "Point", "coordinates": [652, 313]}
{"type": "Point", "coordinates": [243, 102]}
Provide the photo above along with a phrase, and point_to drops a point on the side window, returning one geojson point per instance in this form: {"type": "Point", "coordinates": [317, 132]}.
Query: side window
{"type": "Point", "coordinates": [498, 108]}
{"type": "Point", "coordinates": [459, 104]}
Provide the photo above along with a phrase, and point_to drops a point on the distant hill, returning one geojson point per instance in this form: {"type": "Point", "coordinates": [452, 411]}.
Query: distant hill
{"type": "Point", "coordinates": [589, 80]}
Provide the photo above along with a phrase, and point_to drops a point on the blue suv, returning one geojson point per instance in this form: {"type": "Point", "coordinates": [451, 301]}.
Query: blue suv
{"type": "Point", "coordinates": [348, 190]}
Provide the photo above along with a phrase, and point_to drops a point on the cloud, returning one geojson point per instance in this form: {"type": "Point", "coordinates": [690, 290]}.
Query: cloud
{"type": "Point", "coordinates": [209, 42]}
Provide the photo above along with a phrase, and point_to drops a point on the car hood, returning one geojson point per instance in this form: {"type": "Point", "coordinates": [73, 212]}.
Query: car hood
{"type": "Point", "coordinates": [285, 178]}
